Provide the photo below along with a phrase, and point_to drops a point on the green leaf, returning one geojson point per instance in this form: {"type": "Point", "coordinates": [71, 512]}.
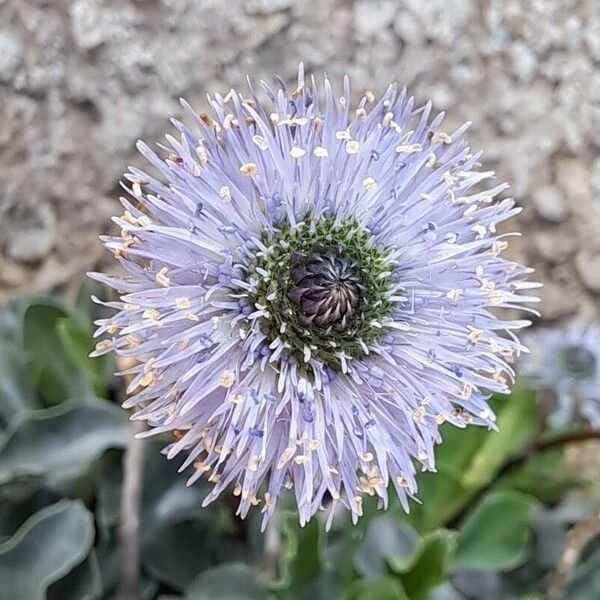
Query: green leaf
{"type": "Point", "coordinates": [496, 535]}
{"type": "Point", "coordinates": [108, 497]}
{"type": "Point", "coordinates": [177, 553]}
{"type": "Point", "coordinates": [78, 343]}
{"type": "Point", "coordinates": [455, 454]}
{"type": "Point", "coordinates": [20, 500]}
{"type": "Point", "coordinates": [377, 588]}
{"type": "Point", "coordinates": [430, 567]}
{"type": "Point", "coordinates": [62, 439]}
{"type": "Point", "coordinates": [54, 372]}
{"type": "Point", "coordinates": [301, 561]}
{"type": "Point", "coordinates": [233, 581]}
{"type": "Point", "coordinates": [45, 549]}
{"type": "Point", "coordinates": [17, 393]}
{"type": "Point", "coordinates": [346, 537]}
{"type": "Point", "coordinates": [84, 582]}
{"type": "Point", "coordinates": [385, 539]}
{"type": "Point", "coordinates": [442, 493]}
{"type": "Point", "coordinates": [178, 537]}
{"type": "Point", "coordinates": [517, 423]}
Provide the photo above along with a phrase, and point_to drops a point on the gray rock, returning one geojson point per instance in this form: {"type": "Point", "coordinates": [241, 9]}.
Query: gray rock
{"type": "Point", "coordinates": [523, 61]}
{"type": "Point", "coordinates": [549, 203]}
{"type": "Point", "coordinates": [588, 267]}
{"type": "Point", "coordinates": [34, 233]}
{"type": "Point", "coordinates": [11, 54]}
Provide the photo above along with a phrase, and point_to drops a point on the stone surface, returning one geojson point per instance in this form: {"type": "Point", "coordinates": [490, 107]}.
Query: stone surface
{"type": "Point", "coordinates": [81, 80]}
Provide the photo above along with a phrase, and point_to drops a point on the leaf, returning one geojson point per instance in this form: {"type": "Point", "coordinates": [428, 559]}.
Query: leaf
{"type": "Point", "coordinates": [430, 568]}
{"type": "Point", "coordinates": [78, 342]}
{"type": "Point", "coordinates": [233, 581]}
{"type": "Point", "coordinates": [17, 393]}
{"type": "Point", "coordinates": [45, 549]}
{"type": "Point", "coordinates": [385, 538]}
{"type": "Point", "coordinates": [346, 537]}
{"type": "Point", "coordinates": [64, 438]}
{"type": "Point", "coordinates": [517, 423]}
{"type": "Point", "coordinates": [179, 538]}
{"type": "Point", "coordinates": [481, 584]}
{"type": "Point", "coordinates": [19, 500]}
{"type": "Point", "coordinates": [54, 372]}
{"type": "Point", "coordinates": [84, 582]}
{"type": "Point", "coordinates": [108, 498]}
{"type": "Point", "coordinates": [378, 588]}
{"type": "Point", "coordinates": [496, 535]}
{"type": "Point", "coordinates": [455, 454]}
{"type": "Point", "coordinates": [442, 493]}
{"type": "Point", "coordinates": [177, 553]}
{"type": "Point", "coordinates": [301, 561]}
{"type": "Point", "coordinates": [166, 497]}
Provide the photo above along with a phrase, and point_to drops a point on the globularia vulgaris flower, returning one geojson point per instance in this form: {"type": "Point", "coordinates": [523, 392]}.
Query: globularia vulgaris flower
{"type": "Point", "coordinates": [311, 291]}
{"type": "Point", "coordinates": [566, 362]}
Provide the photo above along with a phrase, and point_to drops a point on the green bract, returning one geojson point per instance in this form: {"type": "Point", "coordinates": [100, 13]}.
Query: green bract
{"type": "Point", "coordinates": [283, 315]}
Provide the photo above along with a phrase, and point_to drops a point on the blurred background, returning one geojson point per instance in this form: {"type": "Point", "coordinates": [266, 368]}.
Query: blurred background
{"type": "Point", "coordinates": [80, 82]}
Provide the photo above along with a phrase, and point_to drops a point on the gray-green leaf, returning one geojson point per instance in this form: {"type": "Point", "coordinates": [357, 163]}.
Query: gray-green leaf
{"type": "Point", "coordinates": [47, 547]}
{"type": "Point", "coordinates": [496, 535]}
{"type": "Point", "coordinates": [385, 539]}
{"type": "Point", "coordinates": [61, 439]}
{"type": "Point", "coordinates": [233, 581]}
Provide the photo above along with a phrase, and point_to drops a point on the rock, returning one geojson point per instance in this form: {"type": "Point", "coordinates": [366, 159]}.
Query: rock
{"type": "Point", "coordinates": [549, 203]}
{"type": "Point", "coordinates": [587, 263]}
{"type": "Point", "coordinates": [554, 246]}
{"type": "Point", "coordinates": [372, 16]}
{"type": "Point", "coordinates": [559, 297]}
{"type": "Point", "coordinates": [573, 177]}
{"type": "Point", "coordinates": [11, 54]}
{"type": "Point", "coordinates": [523, 60]}
{"type": "Point", "coordinates": [32, 234]}
{"type": "Point", "coordinates": [267, 7]}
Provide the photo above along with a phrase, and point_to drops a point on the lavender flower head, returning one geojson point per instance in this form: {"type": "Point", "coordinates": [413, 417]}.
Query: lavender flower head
{"type": "Point", "coordinates": [311, 291]}
{"type": "Point", "coordinates": [566, 361]}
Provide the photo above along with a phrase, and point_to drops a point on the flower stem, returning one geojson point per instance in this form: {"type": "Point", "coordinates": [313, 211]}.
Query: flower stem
{"type": "Point", "coordinates": [131, 497]}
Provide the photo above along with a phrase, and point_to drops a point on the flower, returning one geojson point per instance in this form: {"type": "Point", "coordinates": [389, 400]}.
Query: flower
{"type": "Point", "coordinates": [311, 292]}
{"type": "Point", "coordinates": [566, 361]}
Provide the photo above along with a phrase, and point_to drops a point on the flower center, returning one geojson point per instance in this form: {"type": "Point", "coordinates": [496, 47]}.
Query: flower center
{"type": "Point", "coordinates": [579, 361]}
{"type": "Point", "coordinates": [321, 290]}
{"type": "Point", "coordinates": [327, 287]}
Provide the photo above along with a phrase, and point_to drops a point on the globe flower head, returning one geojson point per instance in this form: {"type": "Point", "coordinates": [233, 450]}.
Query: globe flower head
{"type": "Point", "coordinates": [566, 362]}
{"type": "Point", "coordinates": [311, 291]}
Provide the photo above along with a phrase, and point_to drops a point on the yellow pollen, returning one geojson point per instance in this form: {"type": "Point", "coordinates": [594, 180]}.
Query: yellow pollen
{"type": "Point", "coordinates": [148, 379]}
{"type": "Point", "coordinates": [225, 193]}
{"type": "Point", "coordinates": [151, 313]}
{"type": "Point", "coordinates": [260, 142]}
{"type": "Point", "coordinates": [182, 302]}
{"type": "Point", "coordinates": [201, 467]}
{"type": "Point", "coordinates": [248, 169]}
{"type": "Point", "coordinates": [162, 277]}
{"type": "Point", "coordinates": [103, 345]}
{"type": "Point", "coordinates": [352, 147]}
{"type": "Point", "coordinates": [227, 379]}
